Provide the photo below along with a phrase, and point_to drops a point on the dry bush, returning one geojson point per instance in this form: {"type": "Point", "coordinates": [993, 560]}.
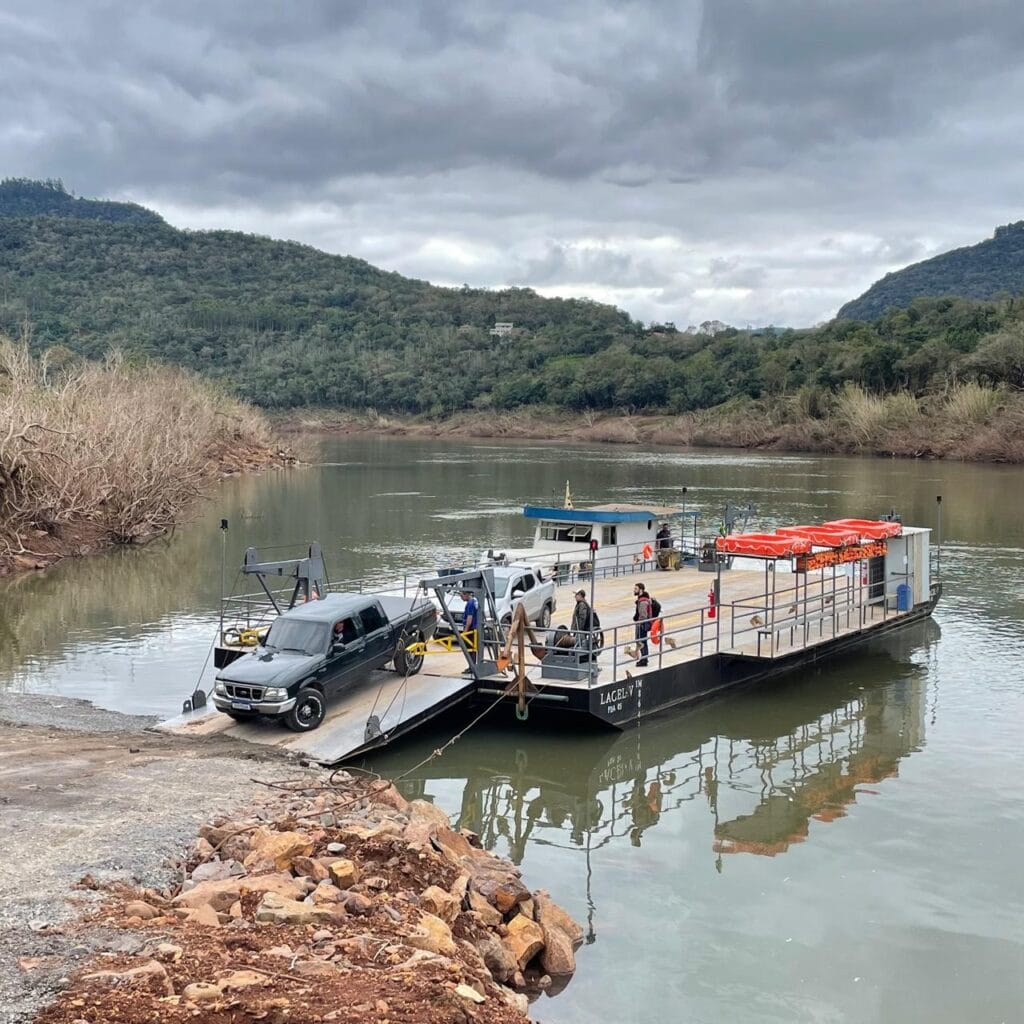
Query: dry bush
{"type": "Point", "coordinates": [861, 415]}
{"type": "Point", "coordinates": [613, 431]}
{"type": "Point", "coordinates": [972, 404]}
{"type": "Point", "coordinates": [1001, 439]}
{"type": "Point", "coordinates": [679, 430]}
{"type": "Point", "coordinates": [123, 449]}
{"type": "Point", "coordinates": [901, 410]}
{"type": "Point", "coordinates": [378, 421]}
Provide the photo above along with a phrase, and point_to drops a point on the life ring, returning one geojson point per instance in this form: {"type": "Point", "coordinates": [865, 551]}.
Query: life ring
{"type": "Point", "coordinates": [657, 626]}
{"type": "Point", "coordinates": [648, 553]}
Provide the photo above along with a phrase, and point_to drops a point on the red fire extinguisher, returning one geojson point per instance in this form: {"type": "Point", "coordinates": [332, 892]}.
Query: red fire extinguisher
{"type": "Point", "coordinates": [711, 603]}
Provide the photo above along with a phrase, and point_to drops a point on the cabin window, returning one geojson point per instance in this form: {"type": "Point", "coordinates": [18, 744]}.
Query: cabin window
{"type": "Point", "coordinates": [372, 619]}
{"type": "Point", "coordinates": [608, 536]}
{"type": "Point", "coordinates": [564, 533]}
{"type": "Point", "coordinates": [527, 581]}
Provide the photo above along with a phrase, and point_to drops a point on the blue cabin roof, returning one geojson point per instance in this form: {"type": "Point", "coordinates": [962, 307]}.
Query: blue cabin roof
{"type": "Point", "coordinates": [603, 514]}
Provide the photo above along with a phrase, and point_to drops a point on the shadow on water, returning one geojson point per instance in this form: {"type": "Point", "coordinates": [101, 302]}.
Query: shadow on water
{"type": "Point", "coordinates": [763, 763]}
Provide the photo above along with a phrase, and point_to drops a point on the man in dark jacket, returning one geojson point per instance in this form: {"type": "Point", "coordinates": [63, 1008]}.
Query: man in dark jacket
{"type": "Point", "coordinates": [642, 617]}
{"type": "Point", "coordinates": [582, 620]}
{"type": "Point", "coordinates": [586, 628]}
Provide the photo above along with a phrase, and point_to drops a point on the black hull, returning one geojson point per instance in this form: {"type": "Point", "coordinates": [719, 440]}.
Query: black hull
{"type": "Point", "coordinates": [626, 701]}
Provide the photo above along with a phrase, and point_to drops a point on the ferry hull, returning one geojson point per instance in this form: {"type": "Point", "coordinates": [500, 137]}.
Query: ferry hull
{"type": "Point", "coordinates": [631, 698]}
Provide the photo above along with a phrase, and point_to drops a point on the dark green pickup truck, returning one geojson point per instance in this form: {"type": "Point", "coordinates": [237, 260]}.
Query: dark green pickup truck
{"type": "Point", "coordinates": [318, 649]}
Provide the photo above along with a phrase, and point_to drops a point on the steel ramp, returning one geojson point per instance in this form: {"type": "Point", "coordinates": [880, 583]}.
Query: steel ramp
{"type": "Point", "coordinates": [343, 734]}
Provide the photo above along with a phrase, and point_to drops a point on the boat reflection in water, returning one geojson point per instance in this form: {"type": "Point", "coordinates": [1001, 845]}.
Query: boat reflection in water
{"type": "Point", "coordinates": [763, 764]}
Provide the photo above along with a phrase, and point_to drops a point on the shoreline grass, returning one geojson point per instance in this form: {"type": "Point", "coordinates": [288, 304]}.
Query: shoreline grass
{"type": "Point", "coordinates": [98, 454]}
{"type": "Point", "coordinates": [968, 422]}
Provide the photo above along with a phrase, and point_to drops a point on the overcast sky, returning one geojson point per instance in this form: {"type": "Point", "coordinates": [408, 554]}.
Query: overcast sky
{"type": "Point", "coordinates": [754, 161]}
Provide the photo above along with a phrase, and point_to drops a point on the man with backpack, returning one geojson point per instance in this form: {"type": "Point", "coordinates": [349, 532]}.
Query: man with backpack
{"type": "Point", "coordinates": [648, 608]}
{"type": "Point", "coordinates": [585, 621]}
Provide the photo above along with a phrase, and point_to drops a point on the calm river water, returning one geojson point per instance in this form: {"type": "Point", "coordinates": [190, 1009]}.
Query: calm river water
{"type": "Point", "coordinates": [843, 846]}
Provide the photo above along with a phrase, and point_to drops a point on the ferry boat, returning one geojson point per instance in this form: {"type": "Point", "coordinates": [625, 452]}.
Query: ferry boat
{"type": "Point", "coordinates": [792, 598]}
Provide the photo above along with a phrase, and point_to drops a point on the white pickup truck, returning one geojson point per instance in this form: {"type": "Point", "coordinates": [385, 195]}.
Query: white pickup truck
{"type": "Point", "coordinates": [515, 584]}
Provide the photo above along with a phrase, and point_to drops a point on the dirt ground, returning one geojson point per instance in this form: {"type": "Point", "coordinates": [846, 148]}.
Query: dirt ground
{"type": "Point", "coordinates": [100, 817]}
{"type": "Point", "coordinates": [99, 796]}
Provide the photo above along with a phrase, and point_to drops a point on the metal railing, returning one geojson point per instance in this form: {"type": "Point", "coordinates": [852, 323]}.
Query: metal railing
{"type": "Point", "coordinates": [794, 617]}
{"type": "Point", "coordinates": [253, 610]}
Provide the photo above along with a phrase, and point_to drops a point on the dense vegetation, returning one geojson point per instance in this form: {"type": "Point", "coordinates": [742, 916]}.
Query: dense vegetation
{"type": "Point", "coordinates": [984, 271]}
{"type": "Point", "coordinates": [285, 325]}
{"type": "Point", "coordinates": [22, 197]}
{"type": "Point", "coordinates": [98, 453]}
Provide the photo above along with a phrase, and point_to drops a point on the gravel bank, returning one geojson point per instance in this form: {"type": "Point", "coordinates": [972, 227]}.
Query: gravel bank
{"type": "Point", "coordinates": [330, 899]}
{"type": "Point", "coordinates": [85, 791]}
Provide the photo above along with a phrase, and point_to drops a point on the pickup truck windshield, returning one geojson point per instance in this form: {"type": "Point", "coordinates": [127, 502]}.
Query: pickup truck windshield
{"type": "Point", "coordinates": [298, 635]}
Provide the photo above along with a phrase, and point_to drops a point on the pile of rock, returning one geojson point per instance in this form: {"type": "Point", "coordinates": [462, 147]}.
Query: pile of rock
{"type": "Point", "coordinates": [334, 902]}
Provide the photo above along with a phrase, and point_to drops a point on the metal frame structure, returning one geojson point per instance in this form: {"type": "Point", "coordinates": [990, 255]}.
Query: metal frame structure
{"type": "Point", "coordinates": [480, 583]}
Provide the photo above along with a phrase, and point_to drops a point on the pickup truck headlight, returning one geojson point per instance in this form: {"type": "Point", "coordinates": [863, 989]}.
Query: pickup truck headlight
{"type": "Point", "coordinates": [274, 693]}
{"type": "Point", "coordinates": [219, 687]}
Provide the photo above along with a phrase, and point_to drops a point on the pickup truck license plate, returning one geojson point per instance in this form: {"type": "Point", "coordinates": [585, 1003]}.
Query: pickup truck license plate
{"type": "Point", "coordinates": [241, 705]}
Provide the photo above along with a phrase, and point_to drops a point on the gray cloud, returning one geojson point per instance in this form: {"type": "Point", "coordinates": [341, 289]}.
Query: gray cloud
{"type": "Point", "coordinates": [747, 160]}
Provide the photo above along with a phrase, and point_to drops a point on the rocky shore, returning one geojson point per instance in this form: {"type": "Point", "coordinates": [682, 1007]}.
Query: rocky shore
{"type": "Point", "coordinates": [331, 898]}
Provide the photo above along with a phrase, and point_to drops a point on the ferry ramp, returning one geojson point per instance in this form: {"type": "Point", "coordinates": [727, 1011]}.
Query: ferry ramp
{"type": "Point", "coordinates": [398, 704]}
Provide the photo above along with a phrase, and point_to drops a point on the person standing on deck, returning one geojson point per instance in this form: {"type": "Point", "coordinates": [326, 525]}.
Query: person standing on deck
{"type": "Point", "coordinates": [642, 617]}
{"type": "Point", "coordinates": [664, 536]}
{"type": "Point", "coordinates": [582, 620]}
{"type": "Point", "coordinates": [586, 628]}
{"type": "Point", "coordinates": [470, 615]}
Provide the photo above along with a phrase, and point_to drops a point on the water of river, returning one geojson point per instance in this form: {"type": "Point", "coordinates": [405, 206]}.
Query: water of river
{"type": "Point", "coordinates": [844, 846]}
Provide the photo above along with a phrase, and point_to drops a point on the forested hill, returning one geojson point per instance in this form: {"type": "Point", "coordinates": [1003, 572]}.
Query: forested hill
{"type": "Point", "coordinates": [982, 271]}
{"type": "Point", "coordinates": [21, 197]}
{"type": "Point", "coordinates": [282, 324]}
{"type": "Point", "coordinates": [286, 325]}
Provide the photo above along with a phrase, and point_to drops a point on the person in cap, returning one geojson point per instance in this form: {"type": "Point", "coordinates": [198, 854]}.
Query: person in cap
{"type": "Point", "coordinates": [664, 536]}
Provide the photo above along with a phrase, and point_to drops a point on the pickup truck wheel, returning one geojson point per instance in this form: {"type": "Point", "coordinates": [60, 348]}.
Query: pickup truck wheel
{"type": "Point", "coordinates": [545, 617]}
{"type": "Point", "coordinates": [407, 664]}
{"type": "Point", "coordinates": [308, 712]}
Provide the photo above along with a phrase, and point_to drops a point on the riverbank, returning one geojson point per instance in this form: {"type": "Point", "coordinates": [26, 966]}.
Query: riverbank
{"type": "Point", "coordinates": [968, 423]}
{"type": "Point", "coordinates": [93, 455]}
{"type": "Point", "coordinates": [136, 890]}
